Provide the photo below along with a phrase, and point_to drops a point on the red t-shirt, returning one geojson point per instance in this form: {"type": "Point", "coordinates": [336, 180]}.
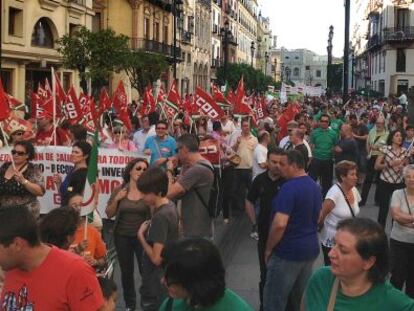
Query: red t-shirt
{"type": "Point", "coordinates": [64, 281]}
{"type": "Point", "coordinates": [45, 138]}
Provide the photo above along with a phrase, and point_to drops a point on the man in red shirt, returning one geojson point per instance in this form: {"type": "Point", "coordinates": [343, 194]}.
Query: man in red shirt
{"type": "Point", "coordinates": [39, 276]}
{"type": "Point", "coordinates": [44, 135]}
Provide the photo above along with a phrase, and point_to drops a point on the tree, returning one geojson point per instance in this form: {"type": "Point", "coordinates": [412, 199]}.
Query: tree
{"type": "Point", "coordinates": [100, 52]}
{"type": "Point", "coordinates": [143, 68]}
{"type": "Point", "coordinates": [254, 79]}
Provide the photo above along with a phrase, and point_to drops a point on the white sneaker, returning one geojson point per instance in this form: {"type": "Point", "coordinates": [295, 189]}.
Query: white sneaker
{"type": "Point", "coordinates": [254, 235]}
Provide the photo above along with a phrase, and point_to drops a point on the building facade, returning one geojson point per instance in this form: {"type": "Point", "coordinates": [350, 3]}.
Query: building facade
{"type": "Point", "coordinates": [29, 31]}
{"type": "Point", "coordinates": [302, 66]}
{"type": "Point", "coordinates": [384, 60]}
{"type": "Point", "coordinates": [247, 31]}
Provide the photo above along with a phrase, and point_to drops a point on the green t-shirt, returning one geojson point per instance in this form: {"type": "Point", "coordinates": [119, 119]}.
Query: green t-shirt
{"type": "Point", "coordinates": [336, 125]}
{"type": "Point", "coordinates": [380, 297]}
{"type": "Point", "coordinates": [230, 301]}
{"type": "Point", "coordinates": [323, 142]}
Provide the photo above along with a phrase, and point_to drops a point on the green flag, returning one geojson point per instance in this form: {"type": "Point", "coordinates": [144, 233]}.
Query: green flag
{"type": "Point", "coordinates": [88, 204]}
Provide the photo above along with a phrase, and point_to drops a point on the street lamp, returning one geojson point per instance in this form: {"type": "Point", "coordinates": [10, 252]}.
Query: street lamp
{"type": "Point", "coordinates": [275, 68]}
{"type": "Point", "coordinates": [225, 33]}
{"type": "Point", "coordinates": [252, 48]}
{"type": "Point", "coordinates": [176, 10]}
{"type": "Point", "coordinates": [282, 71]}
{"type": "Point", "coordinates": [266, 60]}
{"type": "Point", "coordinates": [328, 71]}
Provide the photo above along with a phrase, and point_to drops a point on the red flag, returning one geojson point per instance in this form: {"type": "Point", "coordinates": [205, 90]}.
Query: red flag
{"type": "Point", "coordinates": [207, 105]}
{"type": "Point", "coordinates": [240, 106]}
{"type": "Point", "coordinates": [120, 101]}
{"type": "Point", "coordinates": [4, 104]}
{"type": "Point", "coordinates": [231, 98]}
{"type": "Point", "coordinates": [261, 111]}
{"type": "Point", "coordinates": [60, 93]}
{"type": "Point", "coordinates": [104, 103]}
{"type": "Point", "coordinates": [288, 115]}
{"type": "Point", "coordinates": [173, 96]}
{"type": "Point", "coordinates": [72, 108]}
{"type": "Point", "coordinates": [148, 105]}
{"type": "Point", "coordinates": [218, 95]}
{"type": "Point", "coordinates": [161, 95]}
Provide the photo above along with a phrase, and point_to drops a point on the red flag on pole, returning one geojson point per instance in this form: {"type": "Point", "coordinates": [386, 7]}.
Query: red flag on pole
{"type": "Point", "coordinates": [218, 95]}
{"type": "Point", "coordinates": [148, 104]}
{"type": "Point", "coordinates": [73, 109]}
{"type": "Point", "coordinates": [120, 101]}
{"type": "Point", "coordinates": [4, 104]}
{"type": "Point", "coordinates": [207, 105]}
{"type": "Point", "coordinates": [60, 93]}
{"type": "Point", "coordinates": [240, 106]}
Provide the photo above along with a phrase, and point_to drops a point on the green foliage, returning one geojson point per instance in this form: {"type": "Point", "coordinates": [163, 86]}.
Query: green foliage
{"type": "Point", "coordinates": [101, 53]}
{"type": "Point", "coordinates": [144, 68]}
{"type": "Point", "coordinates": [254, 79]}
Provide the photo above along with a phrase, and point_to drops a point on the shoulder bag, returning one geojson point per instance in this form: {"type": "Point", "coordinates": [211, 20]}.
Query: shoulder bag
{"type": "Point", "coordinates": [332, 297]}
{"type": "Point", "coordinates": [347, 202]}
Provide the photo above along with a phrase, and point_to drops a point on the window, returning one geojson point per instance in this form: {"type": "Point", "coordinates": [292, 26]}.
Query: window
{"type": "Point", "coordinates": [6, 78]}
{"type": "Point", "coordinates": [189, 58]}
{"type": "Point", "coordinates": [296, 72]}
{"type": "Point", "coordinates": [318, 73]}
{"type": "Point", "coordinates": [165, 34]}
{"type": "Point", "coordinates": [15, 22]}
{"type": "Point", "coordinates": [42, 34]}
{"type": "Point", "coordinates": [147, 28]}
{"type": "Point", "coordinates": [156, 31]}
{"type": "Point", "coordinates": [400, 65]}
{"type": "Point", "coordinates": [402, 18]}
{"type": "Point", "coordinates": [96, 22]}
{"type": "Point", "coordinates": [296, 57]}
{"type": "Point", "coordinates": [286, 57]}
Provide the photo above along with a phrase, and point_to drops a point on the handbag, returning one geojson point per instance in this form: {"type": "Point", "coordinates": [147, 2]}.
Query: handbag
{"type": "Point", "coordinates": [346, 199]}
{"type": "Point", "coordinates": [332, 297]}
{"type": "Point", "coordinates": [234, 159]}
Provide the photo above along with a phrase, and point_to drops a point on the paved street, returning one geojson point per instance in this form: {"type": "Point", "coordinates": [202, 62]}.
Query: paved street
{"type": "Point", "coordinates": [240, 256]}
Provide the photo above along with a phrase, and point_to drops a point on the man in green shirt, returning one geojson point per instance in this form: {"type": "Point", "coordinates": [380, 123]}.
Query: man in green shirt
{"type": "Point", "coordinates": [323, 139]}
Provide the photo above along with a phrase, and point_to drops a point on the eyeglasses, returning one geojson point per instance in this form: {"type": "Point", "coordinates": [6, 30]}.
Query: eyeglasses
{"type": "Point", "coordinates": [160, 128]}
{"type": "Point", "coordinates": [19, 153]}
{"type": "Point", "coordinates": [117, 132]}
{"type": "Point", "coordinates": [139, 169]}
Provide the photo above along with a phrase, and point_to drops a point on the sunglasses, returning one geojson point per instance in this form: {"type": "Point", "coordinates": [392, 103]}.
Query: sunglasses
{"type": "Point", "coordinates": [139, 169]}
{"type": "Point", "coordinates": [117, 132]}
{"type": "Point", "coordinates": [160, 128]}
{"type": "Point", "coordinates": [19, 153]}
{"type": "Point", "coordinates": [18, 133]}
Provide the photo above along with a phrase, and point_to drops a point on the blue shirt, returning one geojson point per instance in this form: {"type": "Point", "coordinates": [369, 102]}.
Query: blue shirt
{"type": "Point", "coordinates": [301, 199]}
{"type": "Point", "coordinates": [160, 148]}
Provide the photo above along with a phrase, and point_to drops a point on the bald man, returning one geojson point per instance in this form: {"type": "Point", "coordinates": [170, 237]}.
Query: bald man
{"type": "Point", "coordinates": [347, 147]}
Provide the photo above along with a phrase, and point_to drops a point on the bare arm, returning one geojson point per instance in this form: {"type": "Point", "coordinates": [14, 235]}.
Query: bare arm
{"type": "Point", "coordinates": [401, 217]}
{"type": "Point", "coordinates": [379, 163]}
{"type": "Point", "coordinates": [250, 211]}
{"type": "Point", "coordinates": [327, 206]}
{"type": "Point", "coordinates": [175, 190]}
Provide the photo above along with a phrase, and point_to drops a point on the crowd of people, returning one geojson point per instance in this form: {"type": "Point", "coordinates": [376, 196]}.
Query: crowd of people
{"type": "Point", "coordinates": [186, 172]}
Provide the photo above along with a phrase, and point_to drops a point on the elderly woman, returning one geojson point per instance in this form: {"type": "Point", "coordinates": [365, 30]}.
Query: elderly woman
{"type": "Point", "coordinates": [127, 205]}
{"type": "Point", "coordinates": [402, 234]}
{"type": "Point", "coordinates": [195, 278]}
{"type": "Point", "coordinates": [21, 183]}
{"type": "Point", "coordinates": [356, 278]}
{"type": "Point", "coordinates": [121, 141]}
{"type": "Point", "coordinates": [341, 202]}
{"type": "Point", "coordinates": [390, 162]}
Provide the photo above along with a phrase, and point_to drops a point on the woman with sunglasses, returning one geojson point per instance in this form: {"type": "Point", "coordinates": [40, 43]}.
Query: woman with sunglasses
{"type": "Point", "coordinates": [121, 141]}
{"type": "Point", "coordinates": [21, 183]}
{"type": "Point", "coordinates": [127, 205]}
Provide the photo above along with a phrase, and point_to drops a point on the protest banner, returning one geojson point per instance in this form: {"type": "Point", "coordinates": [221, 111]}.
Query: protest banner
{"type": "Point", "coordinates": [57, 159]}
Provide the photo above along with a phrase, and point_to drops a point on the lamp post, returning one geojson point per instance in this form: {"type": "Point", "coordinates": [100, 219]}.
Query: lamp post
{"type": "Point", "coordinates": [266, 60]}
{"type": "Point", "coordinates": [225, 33]}
{"type": "Point", "coordinates": [282, 71]}
{"type": "Point", "coordinates": [176, 10]}
{"type": "Point", "coordinates": [252, 48]}
{"type": "Point", "coordinates": [346, 51]}
{"type": "Point", "coordinates": [275, 68]}
{"type": "Point", "coordinates": [328, 71]}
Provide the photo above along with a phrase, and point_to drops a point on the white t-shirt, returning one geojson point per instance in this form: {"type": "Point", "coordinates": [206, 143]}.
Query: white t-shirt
{"type": "Point", "coordinates": [259, 156]}
{"type": "Point", "coordinates": [339, 212]}
{"type": "Point", "coordinates": [229, 127]}
{"type": "Point", "coordinates": [286, 140]}
{"type": "Point", "coordinates": [140, 137]}
{"type": "Point", "coordinates": [398, 232]}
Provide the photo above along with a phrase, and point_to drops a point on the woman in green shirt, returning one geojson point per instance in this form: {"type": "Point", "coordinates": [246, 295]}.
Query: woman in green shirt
{"type": "Point", "coordinates": [194, 276]}
{"type": "Point", "coordinates": [356, 279]}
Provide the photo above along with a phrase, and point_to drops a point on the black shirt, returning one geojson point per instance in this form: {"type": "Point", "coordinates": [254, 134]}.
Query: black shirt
{"type": "Point", "coordinates": [263, 190]}
{"type": "Point", "coordinates": [349, 150]}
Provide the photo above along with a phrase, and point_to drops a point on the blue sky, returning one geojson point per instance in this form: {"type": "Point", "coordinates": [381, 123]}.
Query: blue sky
{"type": "Point", "coordinates": [305, 23]}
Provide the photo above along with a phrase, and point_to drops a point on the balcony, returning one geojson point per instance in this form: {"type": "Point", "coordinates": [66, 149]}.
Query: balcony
{"type": "Point", "coordinates": [374, 42]}
{"type": "Point", "coordinates": [215, 63]}
{"type": "Point", "coordinates": [398, 34]}
{"type": "Point", "coordinates": [373, 7]}
{"type": "Point", "coordinates": [186, 37]}
{"type": "Point", "coordinates": [163, 4]}
{"type": "Point", "coordinates": [152, 46]}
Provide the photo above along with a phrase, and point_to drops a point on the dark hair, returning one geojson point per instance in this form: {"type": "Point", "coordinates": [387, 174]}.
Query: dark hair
{"type": "Point", "coordinates": [196, 265]}
{"type": "Point", "coordinates": [154, 180]}
{"type": "Point", "coordinates": [56, 226]}
{"type": "Point", "coordinates": [409, 127]}
{"type": "Point", "coordinates": [153, 117]}
{"type": "Point", "coordinates": [108, 287]}
{"type": "Point", "coordinates": [342, 169]}
{"type": "Point", "coordinates": [85, 147]}
{"type": "Point", "coordinates": [18, 221]}
{"type": "Point", "coordinates": [324, 115]}
{"type": "Point", "coordinates": [190, 141]}
{"type": "Point", "coordinates": [353, 117]}
{"type": "Point", "coordinates": [296, 157]}
{"type": "Point", "coordinates": [276, 151]}
{"type": "Point", "coordinates": [392, 134]}
{"type": "Point", "coordinates": [371, 241]}
{"type": "Point", "coordinates": [162, 122]}
{"type": "Point", "coordinates": [128, 168]}
{"type": "Point", "coordinates": [216, 126]}
{"type": "Point", "coordinates": [28, 146]}
{"type": "Point", "coordinates": [78, 131]}
{"type": "Point", "coordinates": [246, 119]}
{"type": "Point", "coordinates": [262, 135]}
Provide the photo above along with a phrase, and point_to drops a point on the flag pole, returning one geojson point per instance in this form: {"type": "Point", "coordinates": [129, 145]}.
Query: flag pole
{"type": "Point", "coordinates": [7, 143]}
{"type": "Point", "coordinates": [54, 104]}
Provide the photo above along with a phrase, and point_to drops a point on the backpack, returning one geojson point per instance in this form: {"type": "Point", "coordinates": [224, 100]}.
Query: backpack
{"type": "Point", "coordinates": [212, 206]}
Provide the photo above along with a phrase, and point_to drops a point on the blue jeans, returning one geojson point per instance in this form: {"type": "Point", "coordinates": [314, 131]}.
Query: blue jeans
{"type": "Point", "coordinates": [285, 279]}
